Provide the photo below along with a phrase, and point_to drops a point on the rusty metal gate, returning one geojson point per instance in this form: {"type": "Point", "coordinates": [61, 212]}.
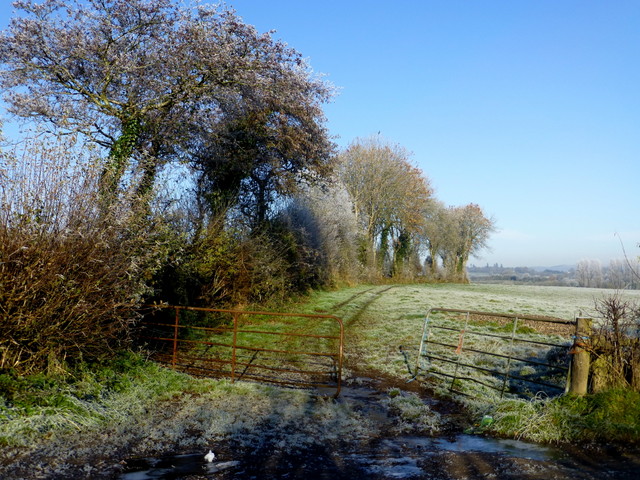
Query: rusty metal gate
{"type": "Point", "coordinates": [289, 349]}
{"type": "Point", "coordinates": [502, 352]}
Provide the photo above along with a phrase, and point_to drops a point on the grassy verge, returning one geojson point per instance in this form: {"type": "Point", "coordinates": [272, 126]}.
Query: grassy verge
{"type": "Point", "coordinates": [612, 416]}
{"type": "Point", "coordinates": [135, 404]}
{"type": "Point", "coordinates": [87, 398]}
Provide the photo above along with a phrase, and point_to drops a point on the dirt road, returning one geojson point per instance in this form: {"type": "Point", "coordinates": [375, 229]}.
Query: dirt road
{"type": "Point", "coordinates": [388, 454]}
{"type": "Point", "coordinates": [390, 449]}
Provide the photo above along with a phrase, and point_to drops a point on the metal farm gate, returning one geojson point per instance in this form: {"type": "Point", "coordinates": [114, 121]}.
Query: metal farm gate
{"type": "Point", "coordinates": [290, 349]}
{"type": "Point", "coordinates": [520, 355]}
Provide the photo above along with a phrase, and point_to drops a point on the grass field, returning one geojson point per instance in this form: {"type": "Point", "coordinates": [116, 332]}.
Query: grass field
{"type": "Point", "coordinates": [383, 332]}
{"type": "Point", "coordinates": [384, 327]}
{"type": "Point", "coordinates": [384, 323]}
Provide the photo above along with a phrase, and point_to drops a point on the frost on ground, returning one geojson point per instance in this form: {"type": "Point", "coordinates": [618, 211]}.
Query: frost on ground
{"type": "Point", "coordinates": [412, 413]}
{"type": "Point", "coordinates": [374, 431]}
{"type": "Point", "coordinates": [240, 416]}
{"type": "Point", "coordinates": [266, 432]}
{"type": "Point", "coordinates": [261, 425]}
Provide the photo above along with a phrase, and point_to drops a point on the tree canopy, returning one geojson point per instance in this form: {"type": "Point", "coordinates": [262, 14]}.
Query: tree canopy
{"type": "Point", "coordinates": [153, 82]}
{"type": "Point", "coordinates": [390, 195]}
{"type": "Point", "coordinates": [166, 83]}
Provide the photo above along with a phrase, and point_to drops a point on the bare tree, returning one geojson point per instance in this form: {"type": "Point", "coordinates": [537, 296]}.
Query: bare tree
{"type": "Point", "coordinates": [616, 274]}
{"type": "Point", "coordinates": [617, 340]}
{"type": "Point", "coordinates": [589, 273]}
{"type": "Point", "coordinates": [634, 270]}
{"type": "Point", "coordinates": [437, 233]}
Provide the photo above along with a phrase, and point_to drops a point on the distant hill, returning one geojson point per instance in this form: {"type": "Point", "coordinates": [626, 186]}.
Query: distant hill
{"type": "Point", "coordinates": [618, 276]}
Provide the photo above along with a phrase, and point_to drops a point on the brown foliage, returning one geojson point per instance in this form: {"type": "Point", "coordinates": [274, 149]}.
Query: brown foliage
{"type": "Point", "coordinates": [70, 273]}
{"type": "Point", "coordinates": [391, 198]}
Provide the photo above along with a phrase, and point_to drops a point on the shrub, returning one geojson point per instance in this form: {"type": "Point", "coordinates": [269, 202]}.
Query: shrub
{"type": "Point", "coordinates": [616, 345]}
{"type": "Point", "coordinates": [71, 270]}
{"type": "Point", "coordinates": [607, 416]}
{"type": "Point", "coordinates": [227, 268]}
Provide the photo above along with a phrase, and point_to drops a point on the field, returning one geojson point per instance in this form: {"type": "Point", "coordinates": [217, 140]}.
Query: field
{"type": "Point", "coordinates": [384, 323]}
{"type": "Point", "coordinates": [516, 344]}
{"type": "Point", "coordinates": [105, 421]}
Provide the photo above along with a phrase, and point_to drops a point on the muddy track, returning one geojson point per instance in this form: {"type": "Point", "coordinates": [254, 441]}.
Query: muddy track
{"type": "Point", "coordinates": [386, 452]}
{"type": "Point", "coordinates": [389, 453]}
{"type": "Point", "coordinates": [349, 300]}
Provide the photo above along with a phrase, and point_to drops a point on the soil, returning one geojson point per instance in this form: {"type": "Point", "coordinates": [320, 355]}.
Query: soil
{"type": "Point", "coordinates": [385, 454]}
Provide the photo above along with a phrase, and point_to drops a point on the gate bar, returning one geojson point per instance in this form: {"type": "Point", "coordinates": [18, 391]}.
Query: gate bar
{"type": "Point", "coordinates": [236, 330]}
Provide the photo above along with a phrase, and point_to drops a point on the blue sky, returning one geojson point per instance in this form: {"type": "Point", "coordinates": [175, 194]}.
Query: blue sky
{"type": "Point", "coordinates": [530, 109]}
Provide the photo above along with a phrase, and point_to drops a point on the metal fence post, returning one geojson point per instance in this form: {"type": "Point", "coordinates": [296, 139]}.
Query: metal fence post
{"type": "Point", "coordinates": [233, 348]}
{"type": "Point", "coordinates": [175, 339]}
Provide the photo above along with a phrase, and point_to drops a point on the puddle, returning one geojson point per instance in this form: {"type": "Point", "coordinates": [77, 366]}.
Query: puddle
{"type": "Point", "coordinates": [405, 467]}
{"type": "Point", "coordinates": [511, 448]}
{"type": "Point", "coordinates": [472, 443]}
{"type": "Point", "coordinates": [173, 467]}
{"type": "Point", "coordinates": [400, 457]}
{"type": "Point", "coordinates": [388, 457]}
{"type": "Point", "coordinates": [396, 457]}
{"type": "Point", "coordinates": [361, 393]}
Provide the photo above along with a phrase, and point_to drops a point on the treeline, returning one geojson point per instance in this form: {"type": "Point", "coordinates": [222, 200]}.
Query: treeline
{"type": "Point", "coordinates": [620, 274]}
{"type": "Point", "coordinates": [183, 157]}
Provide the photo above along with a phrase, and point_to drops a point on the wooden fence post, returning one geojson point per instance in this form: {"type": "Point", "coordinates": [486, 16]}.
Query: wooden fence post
{"type": "Point", "coordinates": [581, 361]}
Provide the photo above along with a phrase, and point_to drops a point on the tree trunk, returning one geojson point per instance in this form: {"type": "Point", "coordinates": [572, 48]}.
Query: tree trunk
{"type": "Point", "coordinates": [118, 160]}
